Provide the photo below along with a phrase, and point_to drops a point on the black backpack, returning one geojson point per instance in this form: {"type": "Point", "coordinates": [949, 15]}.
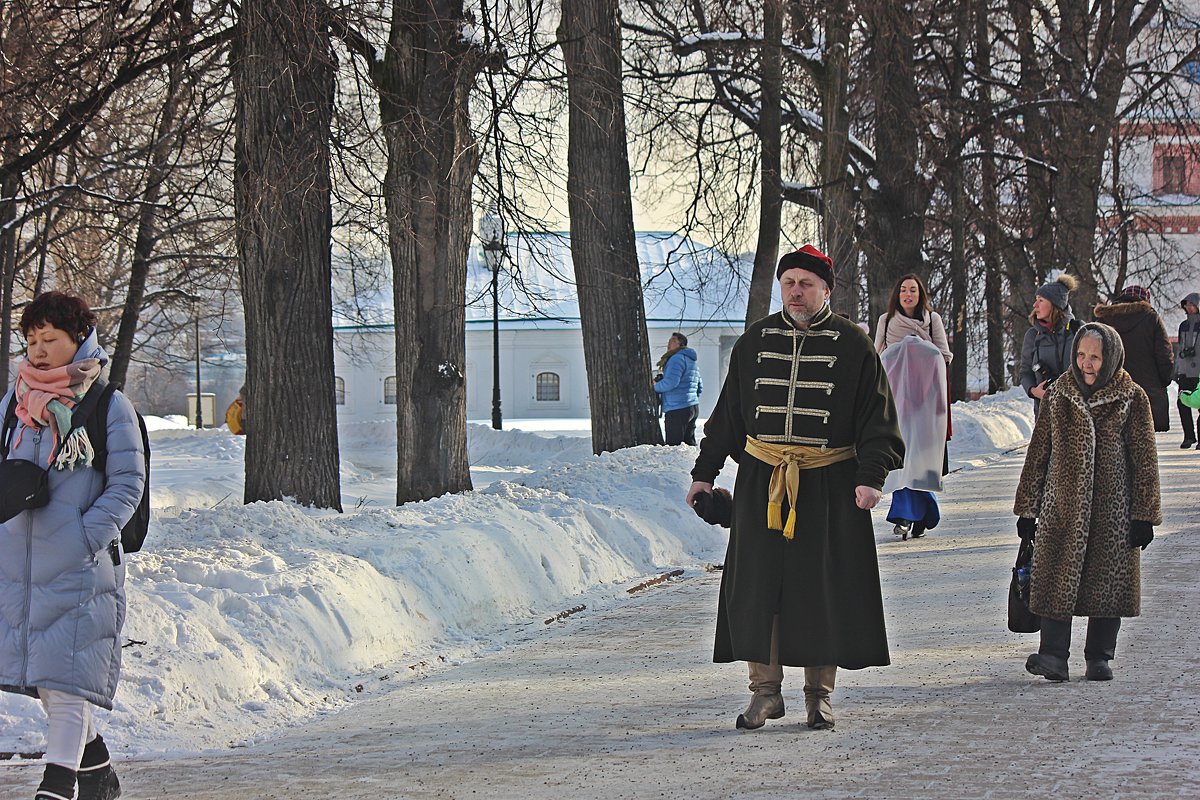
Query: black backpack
{"type": "Point", "coordinates": [92, 415]}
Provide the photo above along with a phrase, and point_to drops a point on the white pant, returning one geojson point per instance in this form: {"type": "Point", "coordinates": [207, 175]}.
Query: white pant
{"type": "Point", "coordinates": [70, 727]}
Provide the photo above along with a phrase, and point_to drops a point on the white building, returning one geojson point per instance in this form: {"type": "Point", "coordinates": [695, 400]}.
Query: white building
{"type": "Point", "coordinates": [687, 287]}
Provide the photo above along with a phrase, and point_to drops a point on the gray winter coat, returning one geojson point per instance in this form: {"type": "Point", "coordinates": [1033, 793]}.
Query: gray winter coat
{"type": "Point", "coordinates": [1189, 337]}
{"type": "Point", "coordinates": [62, 600]}
{"type": "Point", "coordinates": [1046, 354]}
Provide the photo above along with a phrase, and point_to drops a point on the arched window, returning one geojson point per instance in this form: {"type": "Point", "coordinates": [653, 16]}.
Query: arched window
{"type": "Point", "coordinates": [389, 390]}
{"type": "Point", "coordinates": [339, 391]}
{"type": "Point", "coordinates": [547, 390]}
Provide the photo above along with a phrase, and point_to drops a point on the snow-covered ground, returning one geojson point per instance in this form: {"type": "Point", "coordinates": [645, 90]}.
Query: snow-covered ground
{"type": "Point", "coordinates": [245, 619]}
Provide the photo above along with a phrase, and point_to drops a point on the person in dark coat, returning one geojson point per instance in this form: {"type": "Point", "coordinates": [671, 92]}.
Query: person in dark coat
{"type": "Point", "coordinates": [679, 389]}
{"type": "Point", "coordinates": [62, 576]}
{"type": "Point", "coordinates": [1089, 498]}
{"type": "Point", "coordinates": [1187, 364]}
{"type": "Point", "coordinates": [1045, 351]}
{"type": "Point", "coordinates": [1148, 356]}
{"type": "Point", "coordinates": [807, 413]}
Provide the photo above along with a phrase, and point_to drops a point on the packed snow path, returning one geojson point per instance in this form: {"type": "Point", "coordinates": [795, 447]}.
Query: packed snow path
{"type": "Point", "coordinates": [627, 703]}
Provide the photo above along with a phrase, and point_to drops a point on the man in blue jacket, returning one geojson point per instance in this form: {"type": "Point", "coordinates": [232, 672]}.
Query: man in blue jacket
{"type": "Point", "coordinates": [680, 387]}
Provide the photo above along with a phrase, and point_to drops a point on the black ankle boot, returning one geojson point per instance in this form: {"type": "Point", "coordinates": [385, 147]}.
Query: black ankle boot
{"type": "Point", "coordinates": [1052, 668]}
{"type": "Point", "coordinates": [58, 783]}
{"type": "Point", "coordinates": [97, 778]}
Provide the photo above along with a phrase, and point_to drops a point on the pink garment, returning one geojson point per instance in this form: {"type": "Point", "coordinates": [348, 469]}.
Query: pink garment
{"type": "Point", "coordinates": [916, 371]}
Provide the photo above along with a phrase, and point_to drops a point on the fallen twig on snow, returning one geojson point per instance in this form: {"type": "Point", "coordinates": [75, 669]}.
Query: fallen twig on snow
{"type": "Point", "coordinates": [666, 576]}
{"type": "Point", "coordinates": [565, 614]}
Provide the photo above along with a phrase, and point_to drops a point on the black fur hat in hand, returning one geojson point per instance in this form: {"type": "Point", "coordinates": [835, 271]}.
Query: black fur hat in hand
{"type": "Point", "coordinates": [715, 508]}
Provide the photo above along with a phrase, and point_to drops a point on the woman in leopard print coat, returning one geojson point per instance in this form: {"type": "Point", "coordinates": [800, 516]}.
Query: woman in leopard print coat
{"type": "Point", "coordinates": [1090, 481]}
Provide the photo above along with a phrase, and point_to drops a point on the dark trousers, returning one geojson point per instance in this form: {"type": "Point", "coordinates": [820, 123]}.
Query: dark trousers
{"type": "Point", "coordinates": [1185, 413]}
{"type": "Point", "coordinates": [681, 425]}
{"type": "Point", "coordinates": [1101, 643]}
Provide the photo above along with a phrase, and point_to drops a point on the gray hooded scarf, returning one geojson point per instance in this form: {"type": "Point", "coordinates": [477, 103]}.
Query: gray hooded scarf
{"type": "Point", "coordinates": [1113, 351]}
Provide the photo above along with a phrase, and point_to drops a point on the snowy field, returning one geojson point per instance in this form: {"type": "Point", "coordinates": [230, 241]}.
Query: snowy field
{"type": "Point", "coordinates": [245, 619]}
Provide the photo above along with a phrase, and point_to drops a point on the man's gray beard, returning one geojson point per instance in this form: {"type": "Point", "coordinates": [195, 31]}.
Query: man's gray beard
{"type": "Point", "coordinates": [800, 319]}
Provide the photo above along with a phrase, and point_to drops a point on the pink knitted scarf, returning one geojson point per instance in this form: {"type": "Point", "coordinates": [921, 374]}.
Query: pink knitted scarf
{"type": "Point", "coordinates": [45, 398]}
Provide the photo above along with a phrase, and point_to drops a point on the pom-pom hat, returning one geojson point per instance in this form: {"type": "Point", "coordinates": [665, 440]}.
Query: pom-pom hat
{"type": "Point", "coordinates": [1058, 290]}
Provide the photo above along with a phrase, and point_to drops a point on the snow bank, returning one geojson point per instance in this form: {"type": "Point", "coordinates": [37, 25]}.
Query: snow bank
{"type": "Point", "coordinates": [243, 619]}
{"type": "Point", "coordinates": [989, 426]}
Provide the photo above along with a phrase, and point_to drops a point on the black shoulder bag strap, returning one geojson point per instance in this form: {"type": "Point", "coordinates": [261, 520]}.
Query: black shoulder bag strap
{"type": "Point", "coordinates": [87, 406]}
{"type": "Point", "coordinates": [10, 427]}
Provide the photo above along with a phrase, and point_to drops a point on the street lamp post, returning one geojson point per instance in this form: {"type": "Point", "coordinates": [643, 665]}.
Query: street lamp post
{"type": "Point", "coordinates": [491, 233]}
{"type": "Point", "coordinates": [199, 397]}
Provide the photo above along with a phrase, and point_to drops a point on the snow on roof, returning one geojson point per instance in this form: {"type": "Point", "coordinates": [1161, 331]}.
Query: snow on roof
{"type": "Point", "coordinates": [682, 281]}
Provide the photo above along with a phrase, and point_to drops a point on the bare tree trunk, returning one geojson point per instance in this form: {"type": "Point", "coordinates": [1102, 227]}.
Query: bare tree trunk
{"type": "Point", "coordinates": [283, 79]}
{"type": "Point", "coordinates": [770, 138]}
{"type": "Point", "coordinates": [960, 276]}
{"type": "Point", "coordinates": [1026, 274]}
{"type": "Point", "coordinates": [8, 271]}
{"type": "Point", "coordinates": [146, 238]}
{"type": "Point", "coordinates": [13, 35]}
{"type": "Point", "coordinates": [603, 248]}
{"type": "Point", "coordinates": [423, 83]}
{"type": "Point", "coordinates": [990, 208]}
{"type": "Point", "coordinates": [838, 201]}
{"type": "Point", "coordinates": [895, 224]}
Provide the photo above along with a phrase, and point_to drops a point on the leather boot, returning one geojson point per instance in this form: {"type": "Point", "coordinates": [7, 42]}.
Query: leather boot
{"type": "Point", "coordinates": [1052, 668]}
{"type": "Point", "coordinates": [818, 686]}
{"type": "Point", "coordinates": [762, 707]}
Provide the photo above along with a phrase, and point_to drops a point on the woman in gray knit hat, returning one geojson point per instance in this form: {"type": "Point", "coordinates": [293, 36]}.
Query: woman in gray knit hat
{"type": "Point", "coordinates": [1045, 353]}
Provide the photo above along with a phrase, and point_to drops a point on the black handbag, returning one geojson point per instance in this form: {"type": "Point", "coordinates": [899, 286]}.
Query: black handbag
{"type": "Point", "coordinates": [1020, 618]}
{"type": "Point", "coordinates": [23, 485]}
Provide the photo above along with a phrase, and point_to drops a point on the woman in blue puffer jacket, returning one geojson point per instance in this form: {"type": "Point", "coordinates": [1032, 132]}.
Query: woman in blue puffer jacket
{"type": "Point", "coordinates": [62, 576]}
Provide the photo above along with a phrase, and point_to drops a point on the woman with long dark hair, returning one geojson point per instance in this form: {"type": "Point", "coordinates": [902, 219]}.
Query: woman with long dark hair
{"type": "Point", "coordinates": [911, 341]}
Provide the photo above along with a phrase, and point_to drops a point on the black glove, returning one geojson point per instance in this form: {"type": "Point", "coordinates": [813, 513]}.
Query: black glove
{"type": "Point", "coordinates": [1140, 533]}
{"type": "Point", "coordinates": [715, 508]}
{"type": "Point", "coordinates": [1026, 528]}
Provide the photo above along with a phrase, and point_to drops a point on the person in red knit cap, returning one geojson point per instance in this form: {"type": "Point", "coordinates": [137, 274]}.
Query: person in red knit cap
{"type": "Point", "coordinates": [807, 413]}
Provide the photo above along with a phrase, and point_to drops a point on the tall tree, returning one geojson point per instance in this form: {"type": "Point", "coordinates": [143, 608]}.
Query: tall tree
{"type": "Point", "coordinates": [770, 185]}
{"type": "Point", "coordinates": [895, 229]}
{"type": "Point", "coordinates": [147, 227]}
{"type": "Point", "coordinates": [615, 345]}
{"type": "Point", "coordinates": [423, 82]}
{"type": "Point", "coordinates": [283, 78]}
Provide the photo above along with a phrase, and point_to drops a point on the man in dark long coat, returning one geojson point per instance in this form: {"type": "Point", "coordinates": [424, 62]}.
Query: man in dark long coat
{"type": "Point", "coordinates": [807, 413]}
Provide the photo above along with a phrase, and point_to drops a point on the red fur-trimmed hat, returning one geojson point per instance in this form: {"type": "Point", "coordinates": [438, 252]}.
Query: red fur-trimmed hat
{"type": "Point", "coordinates": [809, 258]}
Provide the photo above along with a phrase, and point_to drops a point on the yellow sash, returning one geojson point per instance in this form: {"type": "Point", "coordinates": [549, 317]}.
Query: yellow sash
{"type": "Point", "coordinates": [788, 460]}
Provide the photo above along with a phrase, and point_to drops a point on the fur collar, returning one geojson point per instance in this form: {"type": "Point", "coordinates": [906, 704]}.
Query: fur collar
{"type": "Point", "coordinates": [1119, 388]}
{"type": "Point", "coordinates": [1115, 310]}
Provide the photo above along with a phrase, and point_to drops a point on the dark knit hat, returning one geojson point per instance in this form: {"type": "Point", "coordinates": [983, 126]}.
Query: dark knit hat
{"type": "Point", "coordinates": [809, 258]}
{"type": "Point", "coordinates": [1058, 290]}
{"type": "Point", "coordinates": [1193, 298]}
{"type": "Point", "coordinates": [1133, 294]}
